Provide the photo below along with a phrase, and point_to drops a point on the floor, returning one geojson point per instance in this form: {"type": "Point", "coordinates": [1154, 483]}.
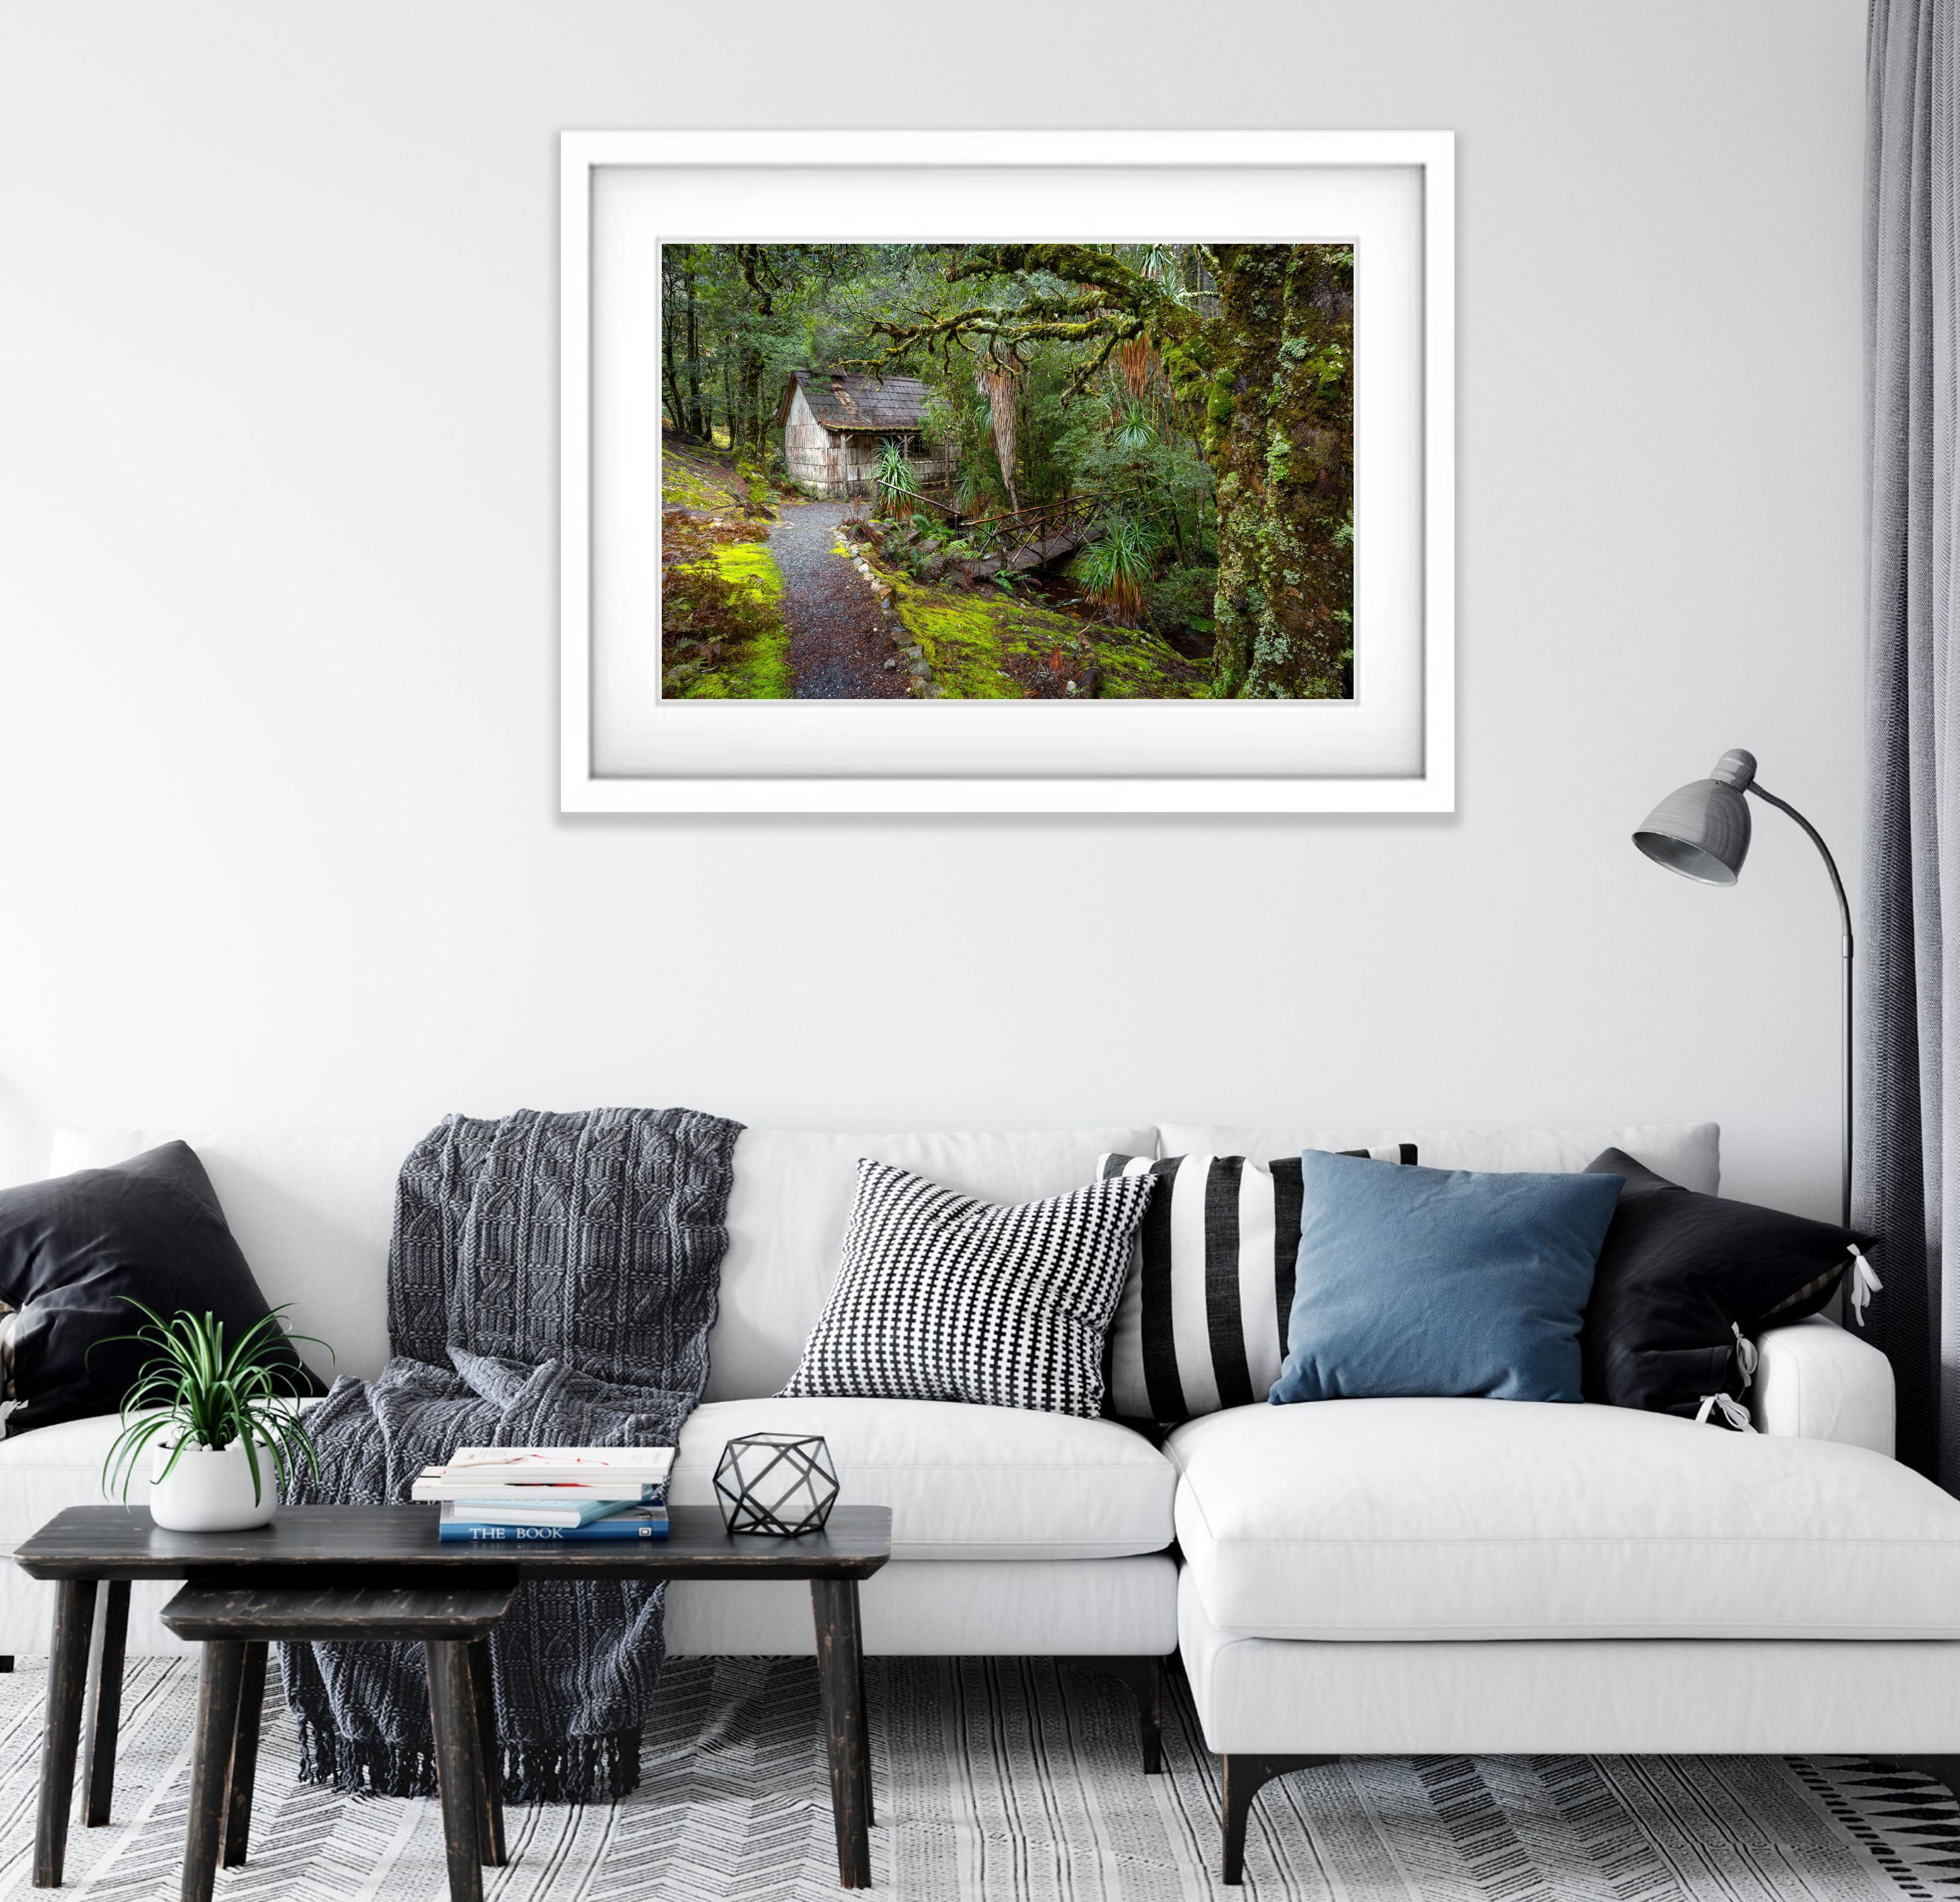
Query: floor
{"type": "Point", "coordinates": [1013, 1779]}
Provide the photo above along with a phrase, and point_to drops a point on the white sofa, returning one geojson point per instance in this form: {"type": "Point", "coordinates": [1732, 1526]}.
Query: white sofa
{"type": "Point", "coordinates": [1357, 1577]}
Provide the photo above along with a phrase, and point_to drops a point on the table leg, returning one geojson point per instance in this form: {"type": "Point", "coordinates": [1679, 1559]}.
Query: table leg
{"type": "Point", "coordinates": [864, 1739]}
{"type": "Point", "coordinates": [68, 1678]}
{"type": "Point", "coordinates": [242, 1767]}
{"type": "Point", "coordinates": [452, 1712]}
{"type": "Point", "coordinates": [105, 1702]}
{"type": "Point", "coordinates": [841, 1669]}
{"type": "Point", "coordinates": [489, 1759]}
{"type": "Point", "coordinates": [218, 1695]}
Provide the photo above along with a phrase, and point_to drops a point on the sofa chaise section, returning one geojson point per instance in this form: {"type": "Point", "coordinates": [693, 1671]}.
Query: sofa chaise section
{"type": "Point", "coordinates": [1441, 1521]}
{"type": "Point", "coordinates": [1396, 1577]}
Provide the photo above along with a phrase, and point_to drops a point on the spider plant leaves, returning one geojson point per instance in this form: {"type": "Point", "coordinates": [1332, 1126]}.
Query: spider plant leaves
{"type": "Point", "coordinates": [199, 1389]}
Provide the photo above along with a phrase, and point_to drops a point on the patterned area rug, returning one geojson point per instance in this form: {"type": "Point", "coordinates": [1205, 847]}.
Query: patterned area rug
{"type": "Point", "coordinates": [999, 1779]}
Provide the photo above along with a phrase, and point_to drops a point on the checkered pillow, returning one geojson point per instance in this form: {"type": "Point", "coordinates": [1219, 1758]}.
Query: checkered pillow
{"type": "Point", "coordinates": [944, 1297]}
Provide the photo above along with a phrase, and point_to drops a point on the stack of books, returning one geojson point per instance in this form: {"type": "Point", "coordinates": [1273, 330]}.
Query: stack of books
{"type": "Point", "coordinates": [494, 1493]}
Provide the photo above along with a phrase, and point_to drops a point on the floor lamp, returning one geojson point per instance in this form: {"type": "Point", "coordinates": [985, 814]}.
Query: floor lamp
{"type": "Point", "coordinates": [1702, 831]}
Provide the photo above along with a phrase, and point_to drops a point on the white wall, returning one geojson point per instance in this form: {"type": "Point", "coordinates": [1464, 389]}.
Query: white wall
{"type": "Point", "coordinates": [278, 835]}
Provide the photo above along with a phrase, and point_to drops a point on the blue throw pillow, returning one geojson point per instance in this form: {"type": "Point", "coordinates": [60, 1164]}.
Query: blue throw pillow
{"type": "Point", "coordinates": [1440, 1281]}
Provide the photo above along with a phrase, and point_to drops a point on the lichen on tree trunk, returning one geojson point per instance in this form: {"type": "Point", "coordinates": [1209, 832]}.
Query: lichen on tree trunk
{"type": "Point", "coordinates": [1280, 430]}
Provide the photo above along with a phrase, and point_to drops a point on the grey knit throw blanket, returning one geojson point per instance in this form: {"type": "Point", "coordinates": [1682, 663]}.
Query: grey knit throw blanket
{"type": "Point", "coordinates": [552, 1280]}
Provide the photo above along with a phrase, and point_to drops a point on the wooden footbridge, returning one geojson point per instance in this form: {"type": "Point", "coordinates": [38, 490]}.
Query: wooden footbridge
{"type": "Point", "coordinates": [1026, 538]}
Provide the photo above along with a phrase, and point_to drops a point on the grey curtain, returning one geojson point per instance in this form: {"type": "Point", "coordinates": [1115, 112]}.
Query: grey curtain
{"type": "Point", "coordinates": [1909, 1066]}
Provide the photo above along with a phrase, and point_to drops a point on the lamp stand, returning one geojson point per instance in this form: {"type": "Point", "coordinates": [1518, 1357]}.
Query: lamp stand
{"type": "Point", "coordinates": [1844, 916]}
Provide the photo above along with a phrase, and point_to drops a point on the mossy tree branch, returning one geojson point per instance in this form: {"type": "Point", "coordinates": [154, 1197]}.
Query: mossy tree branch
{"type": "Point", "coordinates": [1103, 301]}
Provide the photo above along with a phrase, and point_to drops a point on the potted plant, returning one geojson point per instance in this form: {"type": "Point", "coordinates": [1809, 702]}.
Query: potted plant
{"type": "Point", "coordinates": [220, 1423]}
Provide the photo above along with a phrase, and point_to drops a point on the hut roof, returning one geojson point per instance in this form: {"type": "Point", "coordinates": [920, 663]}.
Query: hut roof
{"type": "Point", "coordinates": [839, 401]}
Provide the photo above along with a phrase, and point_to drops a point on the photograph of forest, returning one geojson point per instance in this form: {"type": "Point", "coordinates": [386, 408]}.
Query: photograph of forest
{"type": "Point", "coordinates": [1006, 471]}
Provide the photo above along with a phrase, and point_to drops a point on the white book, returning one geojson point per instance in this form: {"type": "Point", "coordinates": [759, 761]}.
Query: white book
{"type": "Point", "coordinates": [548, 1476]}
{"type": "Point", "coordinates": [503, 1465]}
{"type": "Point", "coordinates": [433, 1483]}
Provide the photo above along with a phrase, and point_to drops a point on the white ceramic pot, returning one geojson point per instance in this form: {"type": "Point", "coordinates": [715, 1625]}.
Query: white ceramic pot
{"type": "Point", "coordinates": [211, 1492]}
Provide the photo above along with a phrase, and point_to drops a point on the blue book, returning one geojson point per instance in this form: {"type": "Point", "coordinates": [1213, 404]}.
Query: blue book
{"type": "Point", "coordinates": [636, 1523]}
{"type": "Point", "coordinates": [499, 1509]}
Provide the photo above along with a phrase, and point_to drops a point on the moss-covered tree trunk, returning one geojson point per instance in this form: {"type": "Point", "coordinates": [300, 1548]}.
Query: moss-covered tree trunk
{"type": "Point", "coordinates": [699, 418]}
{"type": "Point", "coordinates": [757, 275]}
{"type": "Point", "coordinates": [1280, 432]}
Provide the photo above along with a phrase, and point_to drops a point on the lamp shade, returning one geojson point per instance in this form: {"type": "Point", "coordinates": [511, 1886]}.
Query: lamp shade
{"type": "Point", "coordinates": [1702, 831]}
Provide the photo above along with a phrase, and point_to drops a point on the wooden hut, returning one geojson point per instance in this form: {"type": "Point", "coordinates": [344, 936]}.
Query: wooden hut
{"type": "Point", "coordinates": [835, 427]}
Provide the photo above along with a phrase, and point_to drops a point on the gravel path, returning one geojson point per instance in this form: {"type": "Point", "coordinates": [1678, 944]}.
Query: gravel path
{"type": "Point", "coordinates": [837, 642]}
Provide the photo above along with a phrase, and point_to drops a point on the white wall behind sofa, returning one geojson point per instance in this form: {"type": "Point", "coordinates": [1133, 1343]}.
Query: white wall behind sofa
{"type": "Point", "coordinates": [277, 621]}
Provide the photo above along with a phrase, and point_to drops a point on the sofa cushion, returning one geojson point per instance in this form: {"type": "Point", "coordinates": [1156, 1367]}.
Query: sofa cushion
{"type": "Point", "coordinates": [1682, 1278]}
{"type": "Point", "coordinates": [1201, 1321]}
{"type": "Point", "coordinates": [943, 1296]}
{"type": "Point", "coordinates": [791, 1201]}
{"type": "Point", "coordinates": [1440, 1281]}
{"type": "Point", "coordinates": [962, 1482]}
{"type": "Point", "coordinates": [90, 1259]}
{"type": "Point", "coordinates": [1452, 1519]}
{"type": "Point", "coordinates": [1684, 1152]}
{"type": "Point", "coordinates": [312, 1210]}
{"type": "Point", "coordinates": [1114, 1607]}
{"type": "Point", "coordinates": [45, 1471]}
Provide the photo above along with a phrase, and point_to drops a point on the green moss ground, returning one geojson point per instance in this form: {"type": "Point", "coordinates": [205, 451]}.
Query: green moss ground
{"type": "Point", "coordinates": [969, 638]}
{"type": "Point", "coordinates": [1139, 665]}
{"type": "Point", "coordinates": [741, 587]}
{"type": "Point", "coordinates": [965, 639]}
{"type": "Point", "coordinates": [681, 487]}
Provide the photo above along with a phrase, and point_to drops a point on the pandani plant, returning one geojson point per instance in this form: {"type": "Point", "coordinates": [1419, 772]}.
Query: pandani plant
{"type": "Point", "coordinates": [898, 487]}
{"type": "Point", "coordinates": [1114, 568]}
{"type": "Point", "coordinates": [199, 1390]}
{"type": "Point", "coordinates": [1131, 429]}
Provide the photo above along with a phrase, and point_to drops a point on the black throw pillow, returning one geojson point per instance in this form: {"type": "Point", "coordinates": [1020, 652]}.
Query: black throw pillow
{"type": "Point", "coordinates": [1680, 1275]}
{"type": "Point", "coordinates": [72, 1248]}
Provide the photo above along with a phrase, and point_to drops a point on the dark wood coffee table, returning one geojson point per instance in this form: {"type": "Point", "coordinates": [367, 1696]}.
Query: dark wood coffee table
{"type": "Point", "coordinates": [87, 1546]}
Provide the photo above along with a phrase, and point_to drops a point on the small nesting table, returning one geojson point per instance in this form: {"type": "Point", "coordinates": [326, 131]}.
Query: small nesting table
{"type": "Point", "coordinates": [450, 1618]}
{"type": "Point", "coordinates": [332, 1565]}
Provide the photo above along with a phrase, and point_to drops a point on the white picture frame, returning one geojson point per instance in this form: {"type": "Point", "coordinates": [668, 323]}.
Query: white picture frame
{"type": "Point", "coordinates": [1390, 748]}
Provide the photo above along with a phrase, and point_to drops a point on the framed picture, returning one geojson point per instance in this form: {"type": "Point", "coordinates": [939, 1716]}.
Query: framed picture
{"type": "Point", "coordinates": [1041, 472]}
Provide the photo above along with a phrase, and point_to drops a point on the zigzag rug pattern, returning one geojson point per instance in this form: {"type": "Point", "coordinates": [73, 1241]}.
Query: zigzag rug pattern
{"type": "Point", "coordinates": [1012, 1780]}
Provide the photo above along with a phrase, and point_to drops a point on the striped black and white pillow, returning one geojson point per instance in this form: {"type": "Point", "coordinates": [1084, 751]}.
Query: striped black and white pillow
{"type": "Point", "coordinates": [942, 1296]}
{"type": "Point", "coordinates": [1202, 1322]}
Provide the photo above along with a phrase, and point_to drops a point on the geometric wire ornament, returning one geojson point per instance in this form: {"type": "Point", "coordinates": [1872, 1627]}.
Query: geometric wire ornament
{"type": "Point", "coordinates": [781, 1484]}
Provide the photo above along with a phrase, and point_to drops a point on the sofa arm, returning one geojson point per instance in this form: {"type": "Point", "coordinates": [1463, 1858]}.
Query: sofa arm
{"type": "Point", "coordinates": [1816, 1380]}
